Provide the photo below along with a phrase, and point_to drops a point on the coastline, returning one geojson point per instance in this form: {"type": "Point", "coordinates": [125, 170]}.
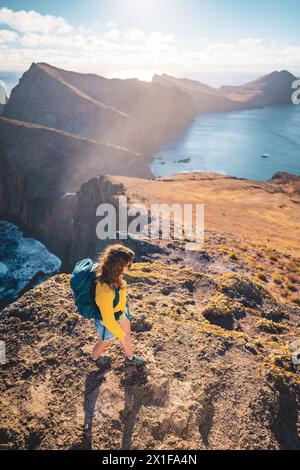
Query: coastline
{"type": "Point", "coordinates": [187, 153]}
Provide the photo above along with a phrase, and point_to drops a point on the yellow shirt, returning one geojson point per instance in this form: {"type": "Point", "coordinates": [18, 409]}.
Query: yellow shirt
{"type": "Point", "coordinates": [104, 297]}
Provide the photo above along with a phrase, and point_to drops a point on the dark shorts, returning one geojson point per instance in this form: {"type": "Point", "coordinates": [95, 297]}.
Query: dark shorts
{"type": "Point", "coordinates": [103, 332]}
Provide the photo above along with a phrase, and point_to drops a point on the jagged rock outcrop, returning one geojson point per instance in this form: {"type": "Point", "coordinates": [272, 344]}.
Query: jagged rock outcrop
{"type": "Point", "coordinates": [64, 222]}
{"type": "Point", "coordinates": [204, 387]}
{"type": "Point", "coordinates": [286, 182]}
{"type": "Point", "coordinates": [131, 113]}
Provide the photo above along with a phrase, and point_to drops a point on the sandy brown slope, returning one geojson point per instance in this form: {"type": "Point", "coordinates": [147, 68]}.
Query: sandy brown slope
{"type": "Point", "coordinates": [250, 227]}
{"type": "Point", "coordinates": [265, 212]}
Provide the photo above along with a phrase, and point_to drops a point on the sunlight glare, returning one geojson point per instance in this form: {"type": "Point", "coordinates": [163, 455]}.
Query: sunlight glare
{"type": "Point", "coordinates": [143, 74]}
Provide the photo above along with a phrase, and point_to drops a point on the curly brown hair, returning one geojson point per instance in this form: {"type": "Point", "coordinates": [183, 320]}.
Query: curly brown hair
{"type": "Point", "coordinates": [112, 263]}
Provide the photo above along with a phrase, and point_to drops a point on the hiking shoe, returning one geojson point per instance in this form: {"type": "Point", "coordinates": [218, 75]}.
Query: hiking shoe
{"type": "Point", "coordinates": [136, 361]}
{"type": "Point", "coordinates": [103, 362]}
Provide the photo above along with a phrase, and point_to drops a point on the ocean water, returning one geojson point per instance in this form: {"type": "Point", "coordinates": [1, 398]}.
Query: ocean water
{"type": "Point", "coordinates": [21, 260]}
{"type": "Point", "coordinates": [234, 144]}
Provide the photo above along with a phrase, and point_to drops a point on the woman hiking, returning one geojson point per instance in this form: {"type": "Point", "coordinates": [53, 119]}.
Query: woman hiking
{"type": "Point", "coordinates": [110, 297]}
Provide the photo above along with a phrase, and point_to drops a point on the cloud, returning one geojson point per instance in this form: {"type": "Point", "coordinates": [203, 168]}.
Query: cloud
{"type": "Point", "coordinates": [113, 35]}
{"type": "Point", "coordinates": [158, 37]}
{"type": "Point", "coordinates": [111, 24]}
{"type": "Point", "coordinates": [8, 35]}
{"type": "Point", "coordinates": [134, 35]}
{"type": "Point", "coordinates": [251, 53]}
{"type": "Point", "coordinates": [250, 42]}
{"type": "Point", "coordinates": [107, 49]}
{"type": "Point", "coordinates": [31, 21]}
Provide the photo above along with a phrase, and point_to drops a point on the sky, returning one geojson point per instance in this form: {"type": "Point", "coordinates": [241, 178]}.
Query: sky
{"type": "Point", "coordinates": [137, 38]}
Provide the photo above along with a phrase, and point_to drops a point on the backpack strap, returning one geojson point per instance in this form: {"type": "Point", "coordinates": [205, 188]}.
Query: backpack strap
{"type": "Point", "coordinates": [117, 297]}
{"type": "Point", "coordinates": [93, 297]}
{"type": "Point", "coordinates": [115, 302]}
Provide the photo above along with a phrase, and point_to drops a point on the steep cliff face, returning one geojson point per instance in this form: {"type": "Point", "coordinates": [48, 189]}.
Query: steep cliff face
{"type": "Point", "coordinates": [41, 98]}
{"type": "Point", "coordinates": [44, 188]}
{"type": "Point", "coordinates": [160, 111]}
{"type": "Point", "coordinates": [64, 222]}
{"type": "Point", "coordinates": [204, 387]}
{"type": "Point", "coordinates": [131, 113]}
{"type": "Point", "coordinates": [58, 161]}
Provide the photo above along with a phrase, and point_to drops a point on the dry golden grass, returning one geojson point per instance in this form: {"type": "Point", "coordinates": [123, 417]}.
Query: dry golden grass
{"type": "Point", "coordinates": [246, 208]}
{"type": "Point", "coordinates": [246, 229]}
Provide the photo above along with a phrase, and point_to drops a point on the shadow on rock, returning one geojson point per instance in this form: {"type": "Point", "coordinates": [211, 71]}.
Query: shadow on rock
{"type": "Point", "coordinates": [92, 386]}
{"type": "Point", "coordinates": [137, 393]}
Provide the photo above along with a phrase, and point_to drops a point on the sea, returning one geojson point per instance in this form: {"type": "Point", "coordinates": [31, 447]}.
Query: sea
{"type": "Point", "coordinates": [22, 259]}
{"type": "Point", "coordinates": [252, 144]}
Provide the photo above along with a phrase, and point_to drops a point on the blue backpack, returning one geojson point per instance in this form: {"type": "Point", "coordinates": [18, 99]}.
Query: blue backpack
{"type": "Point", "coordinates": [83, 283]}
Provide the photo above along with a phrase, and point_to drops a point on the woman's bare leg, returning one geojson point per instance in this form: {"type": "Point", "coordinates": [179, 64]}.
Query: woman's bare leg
{"type": "Point", "coordinates": [125, 326]}
{"type": "Point", "coordinates": [98, 349]}
{"type": "Point", "coordinates": [126, 342]}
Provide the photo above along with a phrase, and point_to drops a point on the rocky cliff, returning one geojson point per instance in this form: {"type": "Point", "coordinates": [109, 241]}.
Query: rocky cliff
{"type": "Point", "coordinates": [219, 373]}
{"type": "Point", "coordinates": [59, 130]}
{"type": "Point", "coordinates": [131, 113]}
{"type": "Point", "coordinates": [46, 186]}
{"type": "Point", "coordinates": [64, 222]}
{"type": "Point", "coordinates": [58, 161]}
